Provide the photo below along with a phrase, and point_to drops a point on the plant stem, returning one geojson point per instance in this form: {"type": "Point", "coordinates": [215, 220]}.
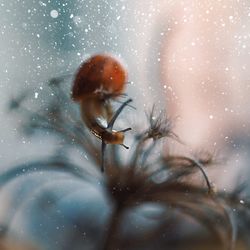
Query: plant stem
{"type": "Point", "coordinates": [111, 235]}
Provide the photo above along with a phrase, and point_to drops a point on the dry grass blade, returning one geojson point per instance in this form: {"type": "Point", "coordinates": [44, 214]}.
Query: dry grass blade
{"type": "Point", "coordinates": [44, 165]}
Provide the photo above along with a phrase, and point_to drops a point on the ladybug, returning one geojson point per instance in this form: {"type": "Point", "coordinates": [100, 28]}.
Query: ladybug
{"type": "Point", "coordinates": [98, 81]}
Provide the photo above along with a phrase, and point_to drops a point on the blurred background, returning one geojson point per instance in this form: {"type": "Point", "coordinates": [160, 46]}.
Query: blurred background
{"type": "Point", "coordinates": [188, 57]}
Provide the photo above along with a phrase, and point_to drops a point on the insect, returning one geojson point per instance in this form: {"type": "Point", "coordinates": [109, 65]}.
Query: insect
{"type": "Point", "coordinates": [100, 80]}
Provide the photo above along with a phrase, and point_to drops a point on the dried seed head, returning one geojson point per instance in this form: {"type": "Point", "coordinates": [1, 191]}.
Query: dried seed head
{"type": "Point", "coordinates": [160, 126]}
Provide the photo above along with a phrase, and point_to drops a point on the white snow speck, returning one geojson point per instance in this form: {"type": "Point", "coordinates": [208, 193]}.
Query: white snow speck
{"type": "Point", "coordinates": [54, 13]}
{"type": "Point", "coordinates": [77, 20]}
{"type": "Point", "coordinates": [211, 117]}
{"type": "Point", "coordinates": [42, 3]}
{"type": "Point", "coordinates": [36, 95]}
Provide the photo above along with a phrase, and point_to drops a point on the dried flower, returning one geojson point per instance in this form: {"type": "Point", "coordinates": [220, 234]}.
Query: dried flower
{"type": "Point", "coordinates": [137, 182]}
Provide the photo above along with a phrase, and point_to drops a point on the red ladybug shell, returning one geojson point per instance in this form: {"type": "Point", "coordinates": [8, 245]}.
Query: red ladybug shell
{"type": "Point", "coordinates": [100, 73]}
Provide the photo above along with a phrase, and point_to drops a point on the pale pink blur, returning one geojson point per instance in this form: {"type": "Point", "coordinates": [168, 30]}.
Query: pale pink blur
{"type": "Point", "coordinates": [205, 64]}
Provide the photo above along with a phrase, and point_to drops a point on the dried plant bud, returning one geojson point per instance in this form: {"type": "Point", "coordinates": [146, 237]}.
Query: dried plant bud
{"type": "Point", "coordinates": [160, 126]}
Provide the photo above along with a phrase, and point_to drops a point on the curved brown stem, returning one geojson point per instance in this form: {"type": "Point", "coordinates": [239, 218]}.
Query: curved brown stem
{"type": "Point", "coordinates": [110, 241]}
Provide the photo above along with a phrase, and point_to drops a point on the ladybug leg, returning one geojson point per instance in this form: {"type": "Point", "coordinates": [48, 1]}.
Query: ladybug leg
{"type": "Point", "coordinates": [103, 155]}
{"type": "Point", "coordinates": [124, 146]}
{"type": "Point", "coordinates": [125, 130]}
